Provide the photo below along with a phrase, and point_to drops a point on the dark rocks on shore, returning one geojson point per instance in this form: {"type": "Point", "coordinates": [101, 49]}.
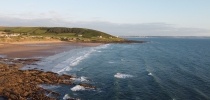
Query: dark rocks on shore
{"type": "Point", "coordinates": [88, 86]}
{"type": "Point", "coordinates": [18, 62]}
{"type": "Point", "coordinates": [18, 84]}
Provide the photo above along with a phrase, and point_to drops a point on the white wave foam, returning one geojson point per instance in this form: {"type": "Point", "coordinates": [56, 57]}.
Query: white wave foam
{"type": "Point", "coordinates": [49, 87]}
{"type": "Point", "coordinates": [78, 88]}
{"type": "Point", "coordinates": [81, 79]}
{"type": "Point", "coordinates": [150, 74]}
{"type": "Point", "coordinates": [66, 97]}
{"type": "Point", "coordinates": [72, 61]}
{"type": "Point", "coordinates": [65, 61]}
{"type": "Point", "coordinates": [120, 75]}
{"type": "Point", "coordinates": [103, 46]}
{"type": "Point", "coordinates": [75, 60]}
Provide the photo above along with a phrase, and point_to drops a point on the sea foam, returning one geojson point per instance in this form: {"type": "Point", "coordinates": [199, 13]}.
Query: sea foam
{"type": "Point", "coordinates": [70, 62]}
{"type": "Point", "coordinates": [65, 61]}
{"type": "Point", "coordinates": [81, 79]}
{"type": "Point", "coordinates": [66, 97]}
{"type": "Point", "coordinates": [78, 88]}
{"type": "Point", "coordinates": [120, 75]}
{"type": "Point", "coordinates": [76, 59]}
{"type": "Point", "coordinates": [150, 74]}
{"type": "Point", "coordinates": [49, 86]}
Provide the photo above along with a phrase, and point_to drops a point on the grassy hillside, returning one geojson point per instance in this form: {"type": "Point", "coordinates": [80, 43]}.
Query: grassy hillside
{"type": "Point", "coordinates": [55, 33]}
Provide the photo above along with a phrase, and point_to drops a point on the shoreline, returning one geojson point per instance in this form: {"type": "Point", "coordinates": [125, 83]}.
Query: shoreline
{"type": "Point", "coordinates": [24, 84]}
{"type": "Point", "coordinates": [39, 49]}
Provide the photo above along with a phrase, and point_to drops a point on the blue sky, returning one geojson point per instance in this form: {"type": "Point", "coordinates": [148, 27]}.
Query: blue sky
{"type": "Point", "coordinates": [136, 17]}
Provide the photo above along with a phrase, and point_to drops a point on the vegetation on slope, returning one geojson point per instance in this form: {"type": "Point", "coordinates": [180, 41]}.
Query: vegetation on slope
{"type": "Point", "coordinates": [55, 33]}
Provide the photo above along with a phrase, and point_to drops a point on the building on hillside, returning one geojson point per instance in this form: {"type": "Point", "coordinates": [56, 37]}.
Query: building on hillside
{"type": "Point", "coordinates": [14, 34]}
{"type": "Point", "coordinates": [80, 35]}
{"type": "Point", "coordinates": [100, 37]}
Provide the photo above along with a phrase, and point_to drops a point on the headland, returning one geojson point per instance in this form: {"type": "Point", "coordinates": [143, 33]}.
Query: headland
{"type": "Point", "coordinates": [20, 46]}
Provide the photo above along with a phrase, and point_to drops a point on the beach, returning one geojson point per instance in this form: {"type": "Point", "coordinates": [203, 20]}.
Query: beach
{"type": "Point", "coordinates": [38, 49]}
{"type": "Point", "coordinates": [24, 84]}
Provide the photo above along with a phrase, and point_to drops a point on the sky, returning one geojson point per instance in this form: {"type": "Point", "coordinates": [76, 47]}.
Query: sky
{"type": "Point", "coordinates": [117, 17]}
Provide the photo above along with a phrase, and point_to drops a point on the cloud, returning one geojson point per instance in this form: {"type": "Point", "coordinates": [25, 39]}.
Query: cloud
{"type": "Point", "coordinates": [143, 29]}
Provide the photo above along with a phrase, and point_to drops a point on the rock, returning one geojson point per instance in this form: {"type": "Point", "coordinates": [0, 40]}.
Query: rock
{"type": "Point", "coordinates": [87, 86]}
{"type": "Point", "coordinates": [39, 80]}
{"type": "Point", "coordinates": [23, 84]}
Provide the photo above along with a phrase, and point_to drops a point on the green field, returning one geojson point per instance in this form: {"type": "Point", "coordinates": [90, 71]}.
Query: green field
{"type": "Point", "coordinates": [56, 33]}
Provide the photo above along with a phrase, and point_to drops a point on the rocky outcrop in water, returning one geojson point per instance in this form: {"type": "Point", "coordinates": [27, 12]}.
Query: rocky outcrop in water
{"type": "Point", "coordinates": [18, 84]}
{"type": "Point", "coordinates": [19, 62]}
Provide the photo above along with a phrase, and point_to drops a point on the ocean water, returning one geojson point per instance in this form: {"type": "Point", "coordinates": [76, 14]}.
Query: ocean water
{"type": "Point", "coordinates": [164, 68]}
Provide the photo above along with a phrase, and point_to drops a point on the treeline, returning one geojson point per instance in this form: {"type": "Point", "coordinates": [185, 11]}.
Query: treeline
{"type": "Point", "coordinates": [86, 33]}
{"type": "Point", "coordinates": [64, 30]}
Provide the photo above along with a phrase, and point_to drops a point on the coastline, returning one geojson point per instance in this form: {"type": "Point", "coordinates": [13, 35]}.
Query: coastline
{"type": "Point", "coordinates": [24, 84]}
{"type": "Point", "coordinates": [38, 48]}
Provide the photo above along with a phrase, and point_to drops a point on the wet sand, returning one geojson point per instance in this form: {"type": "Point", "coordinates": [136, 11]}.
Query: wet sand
{"type": "Point", "coordinates": [38, 49]}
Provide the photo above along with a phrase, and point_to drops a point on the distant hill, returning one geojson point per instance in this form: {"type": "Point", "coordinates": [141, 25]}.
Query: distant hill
{"type": "Point", "coordinates": [61, 33]}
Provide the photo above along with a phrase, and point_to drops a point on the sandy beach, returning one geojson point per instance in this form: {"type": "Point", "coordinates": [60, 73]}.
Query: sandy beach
{"type": "Point", "coordinates": [38, 49]}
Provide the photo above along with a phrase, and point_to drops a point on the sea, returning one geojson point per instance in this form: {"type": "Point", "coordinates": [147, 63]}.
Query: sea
{"type": "Point", "coordinates": [162, 68]}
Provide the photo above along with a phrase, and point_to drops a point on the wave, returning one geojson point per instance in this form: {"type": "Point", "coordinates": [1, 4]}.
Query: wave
{"type": "Point", "coordinates": [78, 88]}
{"type": "Point", "coordinates": [81, 79]}
{"type": "Point", "coordinates": [49, 87]}
{"type": "Point", "coordinates": [120, 75]}
{"type": "Point", "coordinates": [72, 61]}
{"type": "Point", "coordinates": [65, 61]}
{"type": "Point", "coordinates": [150, 74]}
{"type": "Point", "coordinates": [103, 46]}
{"type": "Point", "coordinates": [68, 97]}
{"type": "Point", "coordinates": [76, 58]}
